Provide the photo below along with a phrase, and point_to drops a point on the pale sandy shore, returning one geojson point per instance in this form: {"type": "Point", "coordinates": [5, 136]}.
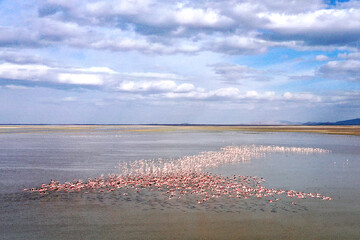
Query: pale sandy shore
{"type": "Point", "coordinates": [326, 129]}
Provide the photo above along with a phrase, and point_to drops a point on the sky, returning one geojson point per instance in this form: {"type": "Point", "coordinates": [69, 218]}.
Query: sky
{"type": "Point", "coordinates": [197, 62]}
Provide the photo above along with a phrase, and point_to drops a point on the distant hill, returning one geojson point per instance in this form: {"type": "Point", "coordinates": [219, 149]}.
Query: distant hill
{"type": "Point", "coordinates": [355, 121]}
{"type": "Point", "coordinates": [289, 123]}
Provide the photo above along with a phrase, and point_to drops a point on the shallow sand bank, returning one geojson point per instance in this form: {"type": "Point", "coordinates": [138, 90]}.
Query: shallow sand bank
{"type": "Point", "coordinates": [341, 130]}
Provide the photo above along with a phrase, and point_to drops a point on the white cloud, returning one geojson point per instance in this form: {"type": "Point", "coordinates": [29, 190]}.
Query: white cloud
{"type": "Point", "coordinates": [308, 97]}
{"type": "Point", "coordinates": [155, 75]}
{"type": "Point", "coordinates": [285, 6]}
{"type": "Point", "coordinates": [69, 99]}
{"type": "Point", "coordinates": [62, 3]}
{"type": "Point", "coordinates": [95, 76]}
{"type": "Point", "coordinates": [322, 58]}
{"type": "Point", "coordinates": [252, 94]}
{"type": "Point", "coordinates": [348, 70]}
{"type": "Point", "coordinates": [16, 87]}
{"type": "Point", "coordinates": [80, 78]}
{"type": "Point", "coordinates": [160, 27]}
{"type": "Point", "coordinates": [97, 70]}
{"type": "Point", "coordinates": [242, 45]}
{"type": "Point", "coordinates": [43, 73]}
{"type": "Point", "coordinates": [16, 36]}
{"type": "Point", "coordinates": [130, 44]}
{"type": "Point", "coordinates": [32, 72]}
{"type": "Point", "coordinates": [147, 86]}
{"type": "Point", "coordinates": [201, 18]}
{"type": "Point", "coordinates": [352, 55]}
{"type": "Point", "coordinates": [164, 85]}
{"type": "Point", "coordinates": [323, 19]}
{"type": "Point", "coordinates": [161, 52]}
{"type": "Point", "coordinates": [13, 56]}
{"type": "Point", "coordinates": [235, 73]}
{"type": "Point", "coordinates": [315, 27]}
{"type": "Point", "coordinates": [157, 27]}
{"type": "Point", "coordinates": [236, 96]}
{"type": "Point", "coordinates": [111, 7]}
{"type": "Point", "coordinates": [51, 29]}
{"type": "Point", "coordinates": [185, 87]}
{"type": "Point", "coordinates": [230, 92]}
{"type": "Point", "coordinates": [157, 91]}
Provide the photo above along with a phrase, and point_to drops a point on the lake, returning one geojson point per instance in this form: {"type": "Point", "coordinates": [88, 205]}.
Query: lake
{"type": "Point", "coordinates": [30, 157]}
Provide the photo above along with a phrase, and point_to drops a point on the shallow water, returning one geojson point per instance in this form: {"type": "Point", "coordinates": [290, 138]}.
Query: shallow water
{"type": "Point", "coordinates": [30, 158]}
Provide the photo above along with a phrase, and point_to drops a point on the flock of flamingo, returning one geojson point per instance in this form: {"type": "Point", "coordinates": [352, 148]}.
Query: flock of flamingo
{"type": "Point", "coordinates": [189, 175]}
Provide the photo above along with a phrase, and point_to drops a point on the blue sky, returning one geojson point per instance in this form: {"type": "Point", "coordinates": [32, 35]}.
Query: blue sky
{"type": "Point", "coordinates": [149, 61]}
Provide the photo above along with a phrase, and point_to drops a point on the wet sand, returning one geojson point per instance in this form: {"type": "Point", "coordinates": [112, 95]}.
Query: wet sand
{"type": "Point", "coordinates": [326, 129]}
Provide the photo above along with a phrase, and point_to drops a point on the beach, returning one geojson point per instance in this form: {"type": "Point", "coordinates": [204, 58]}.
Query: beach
{"type": "Point", "coordinates": [325, 129]}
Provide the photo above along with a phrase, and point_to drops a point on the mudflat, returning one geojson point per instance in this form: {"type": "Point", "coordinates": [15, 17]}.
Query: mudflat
{"type": "Point", "coordinates": [325, 129]}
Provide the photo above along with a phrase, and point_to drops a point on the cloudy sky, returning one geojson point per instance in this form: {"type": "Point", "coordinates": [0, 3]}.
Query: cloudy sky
{"type": "Point", "coordinates": [157, 61]}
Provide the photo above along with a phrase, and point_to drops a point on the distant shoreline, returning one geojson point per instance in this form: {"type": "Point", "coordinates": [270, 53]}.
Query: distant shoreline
{"type": "Point", "coordinates": [324, 129]}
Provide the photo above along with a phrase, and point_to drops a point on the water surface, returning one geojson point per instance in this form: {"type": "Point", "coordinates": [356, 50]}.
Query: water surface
{"type": "Point", "coordinates": [30, 158]}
